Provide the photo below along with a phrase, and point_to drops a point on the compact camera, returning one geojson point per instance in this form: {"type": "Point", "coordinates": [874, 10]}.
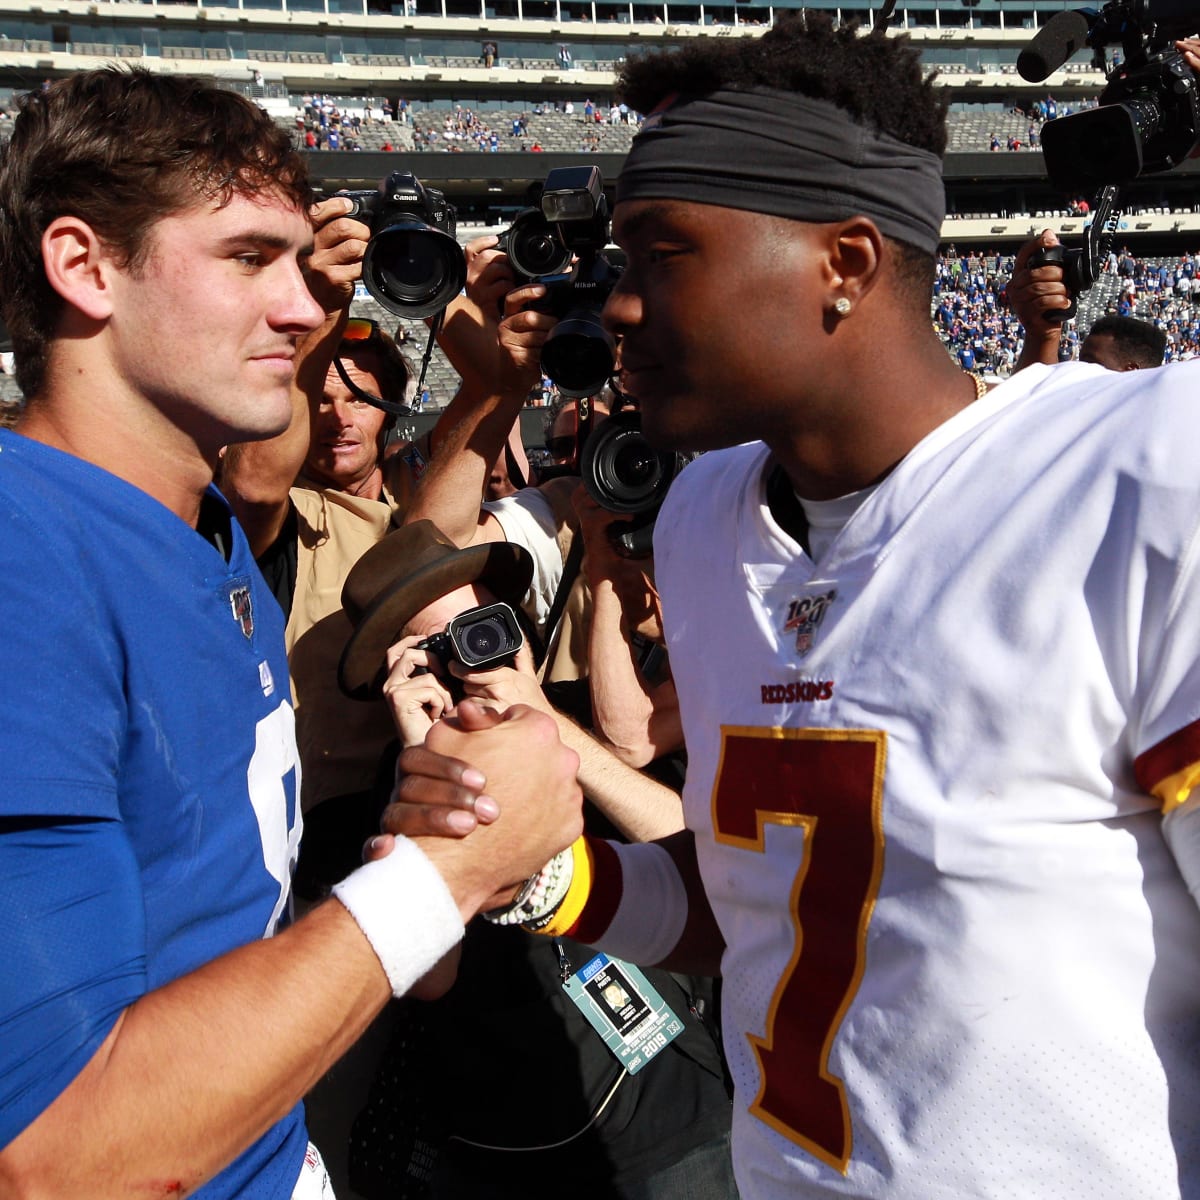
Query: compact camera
{"type": "Point", "coordinates": [480, 639]}
{"type": "Point", "coordinates": [573, 223]}
{"type": "Point", "coordinates": [625, 474]}
{"type": "Point", "coordinates": [413, 265]}
{"type": "Point", "coordinates": [1148, 118]}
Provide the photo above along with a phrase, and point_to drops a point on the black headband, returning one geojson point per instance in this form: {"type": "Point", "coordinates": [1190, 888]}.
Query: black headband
{"type": "Point", "coordinates": [785, 155]}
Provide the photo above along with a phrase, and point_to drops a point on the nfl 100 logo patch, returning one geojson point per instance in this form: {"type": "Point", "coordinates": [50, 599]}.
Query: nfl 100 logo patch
{"type": "Point", "coordinates": [804, 615]}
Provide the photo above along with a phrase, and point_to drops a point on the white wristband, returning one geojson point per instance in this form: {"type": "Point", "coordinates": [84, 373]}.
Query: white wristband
{"type": "Point", "coordinates": [650, 883]}
{"type": "Point", "coordinates": [405, 911]}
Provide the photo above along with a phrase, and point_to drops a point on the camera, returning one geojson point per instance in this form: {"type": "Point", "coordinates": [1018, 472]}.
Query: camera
{"type": "Point", "coordinates": [1148, 118]}
{"type": "Point", "coordinates": [573, 222]}
{"type": "Point", "coordinates": [413, 265]}
{"type": "Point", "coordinates": [480, 639]}
{"type": "Point", "coordinates": [625, 474]}
{"type": "Point", "coordinates": [533, 246]}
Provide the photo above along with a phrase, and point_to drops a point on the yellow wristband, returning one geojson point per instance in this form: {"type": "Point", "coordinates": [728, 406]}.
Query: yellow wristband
{"type": "Point", "coordinates": [568, 912]}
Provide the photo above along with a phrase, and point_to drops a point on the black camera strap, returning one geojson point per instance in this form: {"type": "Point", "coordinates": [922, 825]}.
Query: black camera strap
{"type": "Point", "coordinates": [435, 327]}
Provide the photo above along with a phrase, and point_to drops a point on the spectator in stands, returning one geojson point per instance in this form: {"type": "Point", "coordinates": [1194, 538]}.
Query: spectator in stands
{"type": "Point", "coordinates": [156, 1038]}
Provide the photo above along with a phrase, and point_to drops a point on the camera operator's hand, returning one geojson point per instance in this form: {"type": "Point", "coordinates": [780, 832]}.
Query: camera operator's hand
{"type": "Point", "coordinates": [604, 566]}
{"type": "Point", "coordinates": [494, 355]}
{"type": "Point", "coordinates": [417, 700]}
{"type": "Point", "coordinates": [532, 776]}
{"type": "Point", "coordinates": [339, 243]}
{"type": "Point", "coordinates": [1190, 49]}
{"type": "Point", "coordinates": [1032, 292]}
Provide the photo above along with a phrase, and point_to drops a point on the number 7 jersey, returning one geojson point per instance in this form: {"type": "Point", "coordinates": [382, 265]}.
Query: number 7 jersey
{"type": "Point", "coordinates": [928, 777]}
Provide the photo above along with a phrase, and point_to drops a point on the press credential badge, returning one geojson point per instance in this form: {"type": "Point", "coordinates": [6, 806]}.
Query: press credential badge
{"type": "Point", "coordinates": [624, 1008]}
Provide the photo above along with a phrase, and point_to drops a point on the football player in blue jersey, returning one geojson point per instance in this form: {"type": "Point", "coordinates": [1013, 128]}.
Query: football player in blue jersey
{"type": "Point", "coordinates": [160, 1016]}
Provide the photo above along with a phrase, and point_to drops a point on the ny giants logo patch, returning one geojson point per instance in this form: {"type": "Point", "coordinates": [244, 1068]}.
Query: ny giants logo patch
{"type": "Point", "coordinates": [804, 615]}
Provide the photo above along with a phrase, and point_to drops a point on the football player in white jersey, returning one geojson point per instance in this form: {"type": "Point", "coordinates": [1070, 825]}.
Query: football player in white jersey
{"type": "Point", "coordinates": [938, 662]}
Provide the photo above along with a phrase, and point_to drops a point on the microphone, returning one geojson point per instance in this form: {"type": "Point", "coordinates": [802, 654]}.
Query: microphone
{"type": "Point", "coordinates": [1054, 43]}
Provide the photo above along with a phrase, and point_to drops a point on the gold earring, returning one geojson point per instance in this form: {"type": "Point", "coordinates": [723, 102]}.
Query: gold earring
{"type": "Point", "coordinates": [842, 306]}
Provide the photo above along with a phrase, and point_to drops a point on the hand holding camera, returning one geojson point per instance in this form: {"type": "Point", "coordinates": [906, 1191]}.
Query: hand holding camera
{"type": "Point", "coordinates": [412, 264]}
{"type": "Point", "coordinates": [339, 243]}
{"type": "Point", "coordinates": [560, 246]}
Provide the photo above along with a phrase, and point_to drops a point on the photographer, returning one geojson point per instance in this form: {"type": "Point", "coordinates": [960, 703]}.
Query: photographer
{"type": "Point", "coordinates": [1118, 343]}
{"type": "Point", "coordinates": [567, 1107]}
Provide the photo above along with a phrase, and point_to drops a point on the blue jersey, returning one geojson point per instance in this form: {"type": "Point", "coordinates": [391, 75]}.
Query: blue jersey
{"type": "Point", "coordinates": [148, 774]}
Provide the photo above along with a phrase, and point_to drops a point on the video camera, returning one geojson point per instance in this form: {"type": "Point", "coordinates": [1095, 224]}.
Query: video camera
{"type": "Point", "coordinates": [572, 223]}
{"type": "Point", "coordinates": [1148, 118]}
{"type": "Point", "coordinates": [481, 639]}
{"type": "Point", "coordinates": [413, 265]}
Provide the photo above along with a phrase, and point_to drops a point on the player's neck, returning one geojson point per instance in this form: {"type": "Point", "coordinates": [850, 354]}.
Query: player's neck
{"type": "Point", "coordinates": [132, 441]}
{"type": "Point", "coordinates": [884, 415]}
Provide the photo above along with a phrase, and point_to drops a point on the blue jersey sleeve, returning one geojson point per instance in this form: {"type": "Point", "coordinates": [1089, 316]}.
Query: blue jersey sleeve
{"type": "Point", "coordinates": [72, 944]}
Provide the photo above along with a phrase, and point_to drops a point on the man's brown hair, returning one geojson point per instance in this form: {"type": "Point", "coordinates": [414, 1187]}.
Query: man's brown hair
{"type": "Point", "coordinates": [120, 149]}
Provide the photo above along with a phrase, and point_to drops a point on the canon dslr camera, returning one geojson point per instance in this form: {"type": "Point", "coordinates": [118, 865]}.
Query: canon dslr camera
{"type": "Point", "coordinates": [573, 222]}
{"type": "Point", "coordinates": [413, 265]}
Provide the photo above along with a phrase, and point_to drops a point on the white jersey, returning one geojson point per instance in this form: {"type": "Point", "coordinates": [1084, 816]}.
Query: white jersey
{"type": "Point", "coordinates": [961, 959]}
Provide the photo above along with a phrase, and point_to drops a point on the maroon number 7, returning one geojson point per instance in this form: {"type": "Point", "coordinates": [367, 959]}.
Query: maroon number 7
{"type": "Point", "coordinates": [830, 783]}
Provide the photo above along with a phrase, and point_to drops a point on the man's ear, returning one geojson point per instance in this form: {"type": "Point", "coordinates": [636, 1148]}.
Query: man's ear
{"type": "Point", "coordinates": [78, 266]}
{"type": "Point", "coordinates": [856, 255]}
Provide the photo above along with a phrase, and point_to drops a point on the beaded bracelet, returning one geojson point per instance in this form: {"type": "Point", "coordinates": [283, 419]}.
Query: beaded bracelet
{"type": "Point", "coordinates": [540, 895]}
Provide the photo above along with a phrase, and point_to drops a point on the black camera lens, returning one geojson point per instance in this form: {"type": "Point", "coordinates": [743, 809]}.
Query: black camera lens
{"type": "Point", "coordinates": [622, 471]}
{"type": "Point", "coordinates": [534, 248]}
{"type": "Point", "coordinates": [579, 354]}
{"type": "Point", "coordinates": [483, 640]}
{"type": "Point", "coordinates": [413, 269]}
{"type": "Point", "coordinates": [485, 637]}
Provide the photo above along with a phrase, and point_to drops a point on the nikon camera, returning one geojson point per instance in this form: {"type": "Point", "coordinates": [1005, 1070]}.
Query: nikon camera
{"type": "Point", "coordinates": [572, 226]}
{"type": "Point", "coordinates": [626, 475]}
{"type": "Point", "coordinates": [413, 265]}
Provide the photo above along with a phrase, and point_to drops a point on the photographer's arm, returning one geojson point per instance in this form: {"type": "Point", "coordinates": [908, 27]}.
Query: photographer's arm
{"type": "Point", "coordinates": [256, 477]}
{"type": "Point", "coordinates": [639, 720]}
{"type": "Point", "coordinates": [640, 807]}
{"type": "Point", "coordinates": [499, 363]}
{"type": "Point", "coordinates": [1033, 292]}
